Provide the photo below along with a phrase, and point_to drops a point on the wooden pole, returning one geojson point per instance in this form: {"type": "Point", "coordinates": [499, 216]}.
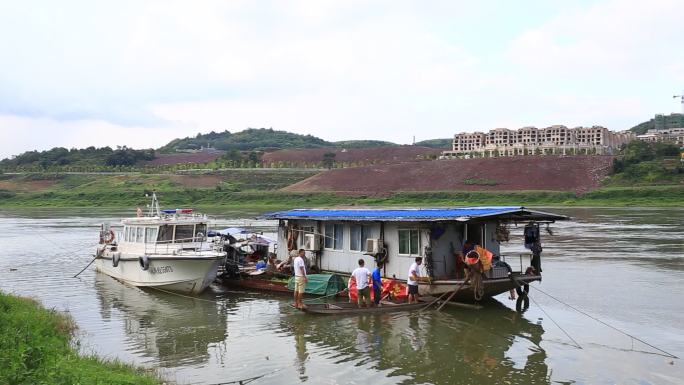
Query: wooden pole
{"type": "Point", "coordinates": [453, 294]}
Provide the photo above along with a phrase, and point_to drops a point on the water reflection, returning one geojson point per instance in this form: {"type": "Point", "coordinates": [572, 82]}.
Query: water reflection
{"type": "Point", "coordinates": [171, 329]}
{"type": "Point", "coordinates": [454, 347]}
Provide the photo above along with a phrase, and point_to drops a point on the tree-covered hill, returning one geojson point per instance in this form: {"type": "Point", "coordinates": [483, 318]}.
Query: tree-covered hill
{"type": "Point", "coordinates": [247, 140]}
{"type": "Point", "coordinates": [641, 128]}
{"type": "Point", "coordinates": [436, 143]}
{"type": "Point", "coordinates": [91, 156]}
{"type": "Point", "coordinates": [363, 143]}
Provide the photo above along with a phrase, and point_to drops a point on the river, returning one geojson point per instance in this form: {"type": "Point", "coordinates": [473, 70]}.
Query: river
{"type": "Point", "coordinates": [623, 266]}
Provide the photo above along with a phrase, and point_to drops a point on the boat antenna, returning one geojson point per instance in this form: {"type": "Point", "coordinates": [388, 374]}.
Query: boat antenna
{"type": "Point", "coordinates": [154, 207]}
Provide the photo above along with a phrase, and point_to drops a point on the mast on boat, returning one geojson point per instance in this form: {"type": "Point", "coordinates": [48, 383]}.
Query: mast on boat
{"type": "Point", "coordinates": [154, 211]}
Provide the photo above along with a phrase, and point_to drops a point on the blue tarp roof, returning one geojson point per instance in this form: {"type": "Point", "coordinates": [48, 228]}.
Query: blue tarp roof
{"type": "Point", "coordinates": [427, 214]}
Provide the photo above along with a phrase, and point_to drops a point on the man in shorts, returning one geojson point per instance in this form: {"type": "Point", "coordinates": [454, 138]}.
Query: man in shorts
{"type": "Point", "coordinates": [412, 280]}
{"type": "Point", "coordinates": [362, 277]}
{"type": "Point", "coordinates": [299, 268]}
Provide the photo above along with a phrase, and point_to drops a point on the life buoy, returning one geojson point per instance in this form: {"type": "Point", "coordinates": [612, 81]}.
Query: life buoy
{"type": "Point", "coordinates": [144, 262]}
{"type": "Point", "coordinates": [107, 237]}
{"type": "Point", "coordinates": [115, 259]}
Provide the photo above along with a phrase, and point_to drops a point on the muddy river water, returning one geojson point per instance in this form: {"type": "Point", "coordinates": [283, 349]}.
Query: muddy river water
{"type": "Point", "coordinates": [623, 266]}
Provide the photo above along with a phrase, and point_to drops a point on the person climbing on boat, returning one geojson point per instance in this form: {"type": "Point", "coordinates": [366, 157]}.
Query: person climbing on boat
{"type": "Point", "coordinates": [300, 279]}
{"type": "Point", "coordinates": [412, 280]}
{"type": "Point", "coordinates": [377, 284]}
{"type": "Point", "coordinates": [362, 277]}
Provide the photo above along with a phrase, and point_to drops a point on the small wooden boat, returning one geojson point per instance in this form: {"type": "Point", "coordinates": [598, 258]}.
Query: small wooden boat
{"type": "Point", "coordinates": [352, 308]}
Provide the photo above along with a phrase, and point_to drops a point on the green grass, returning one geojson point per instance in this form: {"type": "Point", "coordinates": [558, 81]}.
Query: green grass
{"type": "Point", "coordinates": [259, 190]}
{"type": "Point", "coordinates": [36, 348]}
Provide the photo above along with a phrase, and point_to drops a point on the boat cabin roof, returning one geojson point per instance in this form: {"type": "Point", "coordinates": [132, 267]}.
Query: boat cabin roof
{"type": "Point", "coordinates": [461, 214]}
{"type": "Point", "coordinates": [165, 220]}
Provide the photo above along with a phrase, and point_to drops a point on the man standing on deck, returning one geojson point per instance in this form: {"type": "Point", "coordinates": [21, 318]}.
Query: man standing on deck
{"type": "Point", "coordinates": [300, 279]}
{"type": "Point", "coordinates": [412, 280]}
{"type": "Point", "coordinates": [362, 277]}
{"type": "Point", "coordinates": [377, 284]}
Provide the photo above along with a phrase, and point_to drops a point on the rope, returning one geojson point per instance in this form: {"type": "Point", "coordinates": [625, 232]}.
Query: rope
{"type": "Point", "coordinates": [180, 295]}
{"type": "Point", "coordinates": [606, 324]}
{"type": "Point", "coordinates": [554, 322]}
{"type": "Point", "coordinates": [89, 263]}
{"type": "Point", "coordinates": [478, 286]}
{"type": "Point", "coordinates": [325, 296]}
{"type": "Point", "coordinates": [250, 379]}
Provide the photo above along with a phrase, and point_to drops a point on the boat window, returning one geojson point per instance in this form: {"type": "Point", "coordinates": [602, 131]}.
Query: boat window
{"type": "Point", "coordinates": [334, 236]}
{"type": "Point", "coordinates": [302, 235]}
{"type": "Point", "coordinates": [200, 230]}
{"type": "Point", "coordinates": [139, 235]}
{"type": "Point", "coordinates": [165, 233]}
{"type": "Point", "coordinates": [184, 233]}
{"type": "Point", "coordinates": [358, 235]}
{"type": "Point", "coordinates": [150, 234]}
{"type": "Point", "coordinates": [409, 242]}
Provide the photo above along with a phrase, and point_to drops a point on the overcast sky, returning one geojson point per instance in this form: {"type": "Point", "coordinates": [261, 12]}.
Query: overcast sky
{"type": "Point", "coordinates": [140, 73]}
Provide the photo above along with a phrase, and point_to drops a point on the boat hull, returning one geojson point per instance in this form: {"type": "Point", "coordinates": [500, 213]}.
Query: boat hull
{"type": "Point", "coordinates": [257, 284]}
{"type": "Point", "coordinates": [344, 308]}
{"type": "Point", "coordinates": [187, 275]}
{"type": "Point", "coordinates": [492, 287]}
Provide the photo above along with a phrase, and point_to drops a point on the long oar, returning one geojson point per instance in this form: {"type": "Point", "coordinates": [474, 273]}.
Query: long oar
{"type": "Point", "coordinates": [434, 301]}
{"type": "Point", "coordinates": [453, 294]}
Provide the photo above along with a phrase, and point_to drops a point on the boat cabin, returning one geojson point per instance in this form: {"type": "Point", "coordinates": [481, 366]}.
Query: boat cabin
{"type": "Point", "coordinates": [336, 239]}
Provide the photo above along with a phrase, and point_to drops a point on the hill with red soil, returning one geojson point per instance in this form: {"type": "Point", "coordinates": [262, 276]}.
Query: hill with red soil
{"type": "Point", "coordinates": [360, 156]}
{"type": "Point", "coordinates": [551, 173]}
{"type": "Point", "coordinates": [182, 158]}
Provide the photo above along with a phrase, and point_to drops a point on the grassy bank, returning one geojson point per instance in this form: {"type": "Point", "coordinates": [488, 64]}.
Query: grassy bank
{"type": "Point", "coordinates": [268, 200]}
{"type": "Point", "coordinates": [36, 348]}
{"type": "Point", "coordinates": [259, 190]}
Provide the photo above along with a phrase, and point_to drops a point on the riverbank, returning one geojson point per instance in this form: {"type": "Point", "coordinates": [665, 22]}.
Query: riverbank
{"type": "Point", "coordinates": [661, 196]}
{"type": "Point", "coordinates": [36, 347]}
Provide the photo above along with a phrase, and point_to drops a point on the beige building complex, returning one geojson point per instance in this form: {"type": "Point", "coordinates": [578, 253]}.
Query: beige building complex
{"type": "Point", "coordinates": [554, 140]}
{"type": "Point", "coordinates": [673, 135]}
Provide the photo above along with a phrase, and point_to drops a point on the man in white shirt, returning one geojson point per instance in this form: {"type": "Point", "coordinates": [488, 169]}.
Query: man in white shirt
{"type": "Point", "coordinates": [299, 268]}
{"type": "Point", "coordinates": [362, 277]}
{"type": "Point", "coordinates": [412, 280]}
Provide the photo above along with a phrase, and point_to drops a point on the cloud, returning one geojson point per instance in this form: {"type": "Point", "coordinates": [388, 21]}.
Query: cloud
{"type": "Point", "coordinates": [336, 69]}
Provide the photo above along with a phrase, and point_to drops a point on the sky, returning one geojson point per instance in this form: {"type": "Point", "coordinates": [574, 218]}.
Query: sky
{"type": "Point", "coordinates": [141, 73]}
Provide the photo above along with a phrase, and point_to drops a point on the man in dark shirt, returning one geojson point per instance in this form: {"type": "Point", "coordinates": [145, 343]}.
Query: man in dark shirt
{"type": "Point", "coordinates": [377, 284]}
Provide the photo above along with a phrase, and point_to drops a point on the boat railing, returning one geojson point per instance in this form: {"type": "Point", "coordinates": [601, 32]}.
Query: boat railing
{"type": "Point", "coordinates": [520, 260]}
{"type": "Point", "coordinates": [180, 246]}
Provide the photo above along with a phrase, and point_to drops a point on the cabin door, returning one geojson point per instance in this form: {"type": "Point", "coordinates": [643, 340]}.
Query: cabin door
{"type": "Point", "coordinates": [474, 232]}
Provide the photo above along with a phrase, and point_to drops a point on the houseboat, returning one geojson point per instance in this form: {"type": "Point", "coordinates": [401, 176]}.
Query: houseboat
{"type": "Point", "coordinates": [335, 239]}
{"type": "Point", "coordinates": [165, 249]}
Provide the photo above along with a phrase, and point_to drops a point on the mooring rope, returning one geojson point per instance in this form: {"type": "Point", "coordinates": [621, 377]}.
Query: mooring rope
{"type": "Point", "coordinates": [606, 324]}
{"type": "Point", "coordinates": [555, 323]}
{"type": "Point", "coordinates": [180, 295]}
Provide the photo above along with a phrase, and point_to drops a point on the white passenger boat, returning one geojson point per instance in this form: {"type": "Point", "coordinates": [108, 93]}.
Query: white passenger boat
{"type": "Point", "coordinates": [165, 249]}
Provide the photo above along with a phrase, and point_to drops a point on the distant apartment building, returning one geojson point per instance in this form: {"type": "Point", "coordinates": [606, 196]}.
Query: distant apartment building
{"type": "Point", "coordinates": [673, 135]}
{"type": "Point", "coordinates": [554, 140]}
{"type": "Point", "coordinates": [664, 122]}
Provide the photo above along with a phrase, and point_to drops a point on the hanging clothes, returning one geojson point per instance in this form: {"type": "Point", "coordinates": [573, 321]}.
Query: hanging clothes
{"type": "Point", "coordinates": [531, 233]}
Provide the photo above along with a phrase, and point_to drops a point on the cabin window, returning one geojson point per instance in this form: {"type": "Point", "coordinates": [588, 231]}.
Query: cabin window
{"type": "Point", "coordinates": [184, 233]}
{"type": "Point", "coordinates": [334, 236]}
{"type": "Point", "coordinates": [409, 242]}
{"type": "Point", "coordinates": [139, 235]}
{"type": "Point", "coordinates": [165, 233]}
{"type": "Point", "coordinates": [358, 234]}
{"type": "Point", "coordinates": [302, 235]}
{"type": "Point", "coordinates": [150, 234]}
{"type": "Point", "coordinates": [200, 231]}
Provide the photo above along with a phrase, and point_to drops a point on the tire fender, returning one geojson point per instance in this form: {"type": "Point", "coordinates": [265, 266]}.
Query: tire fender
{"type": "Point", "coordinates": [116, 257]}
{"type": "Point", "coordinates": [144, 262]}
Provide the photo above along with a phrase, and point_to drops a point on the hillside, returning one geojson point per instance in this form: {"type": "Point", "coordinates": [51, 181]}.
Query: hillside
{"type": "Point", "coordinates": [247, 140]}
{"type": "Point", "coordinates": [572, 173]}
{"type": "Point", "coordinates": [349, 157]}
{"type": "Point", "coordinates": [641, 128]}
{"type": "Point", "coordinates": [442, 144]}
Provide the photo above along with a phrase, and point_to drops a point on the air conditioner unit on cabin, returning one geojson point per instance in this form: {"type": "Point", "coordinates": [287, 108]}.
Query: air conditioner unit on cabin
{"type": "Point", "coordinates": [373, 246]}
{"type": "Point", "coordinates": [312, 242]}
